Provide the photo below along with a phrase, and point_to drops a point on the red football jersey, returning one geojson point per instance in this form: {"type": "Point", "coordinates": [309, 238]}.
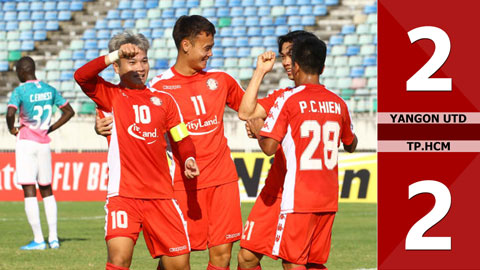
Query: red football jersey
{"type": "Point", "coordinates": [310, 121]}
{"type": "Point", "coordinates": [276, 174]}
{"type": "Point", "coordinates": [138, 166]}
{"type": "Point", "coordinates": [202, 98]}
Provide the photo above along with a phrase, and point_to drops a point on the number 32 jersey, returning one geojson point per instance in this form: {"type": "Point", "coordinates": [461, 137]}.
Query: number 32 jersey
{"type": "Point", "coordinates": [138, 165]}
{"type": "Point", "coordinates": [310, 121]}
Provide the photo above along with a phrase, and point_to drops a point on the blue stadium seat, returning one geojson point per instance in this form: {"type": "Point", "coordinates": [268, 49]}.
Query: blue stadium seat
{"type": "Point", "coordinates": [26, 35]}
{"type": "Point", "coordinates": [260, 3]}
{"type": "Point", "coordinates": [66, 76]}
{"type": "Point", "coordinates": [213, 20]}
{"type": "Point", "coordinates": [348, 29]}
{"type": "Point", "coordinates": [192, 3]}
{"type": "Point", "coordinates": [296, 27]}
{"type": "Point", "coordinates": [250, 11]}
{"type": "Point", "coordinates": [281, 30]}
{"type": "Point", "coordinates": [76, 5]}
{"type": "Point", "coordinates": [157, 32]}
{"type": "Point", "coordinates": [124, 4]}
{"type": "Point", "coordinates": [331, 2]}
{"type": "Point", "coordinates": [290, 3]}
{"type": "Point", "coordinates": [52, 25]}
{"type": "Point", "coordinates": [319, 10]}
{"type": "Point", "coordinates": [38, 25]}
{"type": "Point", "coordinates": [247, 3]}
{"type": "Point", "coordinates": [112, 24]}
{"type": "Point", "coordinates": [266, 21]}
{"type": "Point", "coordinates": [28, 45]}
{"type": "Point", "coordinates": [23, 6]}
{"type": "Point", "coordinates": [63, 5]}
{"type": "Point", "coordinates": [23, 16]}
{"type": "Point", "coordinates": [51, 16]}
{"type": "Point", "coordinates": [140, 14]}
{"type": "Point", "coordinates": [161, 64]}
{"type": "Point", "coordinates": [305, 10]}
{"type": "Point", "coordinates": [270, 41]}
{"type": "Point", "coordinates": [268, 31]}
{"type": "Point", "coordinates": [179, 3]}
{"type": "Point", "coordinates": [102, 44]}
{"type": "Point", "coordinates": [168, 13]}
{"type": "Point", "coordinates": [370, 9]}
{"type": "Point", "coordinates": [101, 24]}
{"type": "Point", "coordinates": [168, 23]}
{"type": "Point", "coordinates": [1, 15]}
{"type": "Point", "coordinates": [264, 11]}
{"type": "Point", "coordinates": [64, 15]}
{"type": "Point", "coordinates": [10, 16]}
{"type": "Point", "coordinates": [151, 4]}
{"type": "Point", "coordinates": [304, 2]}
{"type": "Point", "coordinates": [209, 12]}
{"type": "Point", "coordinates": [356, 72]}
{"type": "Point", "coordinates": [138, 4]}
{"type": "Point", "coordinates": [308, 20]}
{"type": "Point", "coordinates": [113, 14]}
{"type": "Point", "coordinates": [34, 6]}
{"type": "Point", "coordinates": [147, 33]}
{"type": "Point", "coordinates": [294, 20]}
{"type": "Point", "coordinates": [90, 34]}
{"type": "Point", "coordinates": [216, 62]}
{"type": "Point", "coordinates": [221, 3]}
{"type": "Point", "coordinates": [226, 31]}
{"type": "Point", "coordinates": [9, 6]}
{"type": "Point", "coordinates": [91, 54]}
{"type": "Point", "coordinates": [3, 65]}
{"type": "Point", "coordinates": [236, 11]}
{"type": "Point", "coordinates": [40, 35]}
{"type": "Point", "coordinates": [79, 63]}
{"type": "Point", "coordinates": [318, 2]}
{"type": "Point", "coordinates": [90, 44]}
{"type": "Point", "coordinates": [217, 51]}
{"type": "Point", "coordinates": [252, 21]}
{"type": "Point", "coordinates": [275, 2]}
{"type": "Point", "coordinates": [370, 61]}
{"type": "Point", "coordinates": [228, 42]}
{"type": "Point", "coordinates": [280, 20]}
{"type": "Point", "coordinates": [230, 52]}
{"type": "Point", "coordinates": [50, 5]}
{"type": "Point", "coordinates": [129, 24]}
{"type": "Point", "coordinates": [254, 31]}
{"type": "Point", "coordinates": [353, 50]}
{"type": "Point", "coordinates": [335, 40]}
{"type": "Point", "coordinates": [181, 11]}
{"type": "Point", "coordinates": [238, 21]}
{"type": "Point", "coordinates": [241, 42]}
{"type": "Point", "coordinates": [38, 16]}
{"type": "Point", "coordinates": [156, 23]}
{"type": "Point", "coordinates": [234, 3]}
{"type": "Point", "coordinates": [255, 42]}
{"type": "Point", "coordinates": [243, 52]}
{"type": "Point", "coordinates": [3, 25]}
{"type": "Point", "coordinates": [223, 12]}
{"type": "Point", "coordinates": [292, 11]}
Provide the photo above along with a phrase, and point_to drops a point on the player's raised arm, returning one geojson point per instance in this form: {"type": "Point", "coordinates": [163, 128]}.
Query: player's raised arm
{"type": "Point", "coordinates": [249, 107]}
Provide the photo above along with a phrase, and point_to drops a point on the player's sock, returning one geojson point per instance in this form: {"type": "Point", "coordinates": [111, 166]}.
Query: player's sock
{"type": "Point", "coordinates": [299, 268]}
{"type": "Point", "coordinates": [315, 266]}
{"type": "Point", "coordinates": [51, 213]}
{"type": "Point", "coordinates": [213, 267]}
{"type": "Point", "coordinates": [111, 266]}
{"type": "Point", "coordinates": [33, 216]}
{"type": "Point", "coordinates": [258, 267]}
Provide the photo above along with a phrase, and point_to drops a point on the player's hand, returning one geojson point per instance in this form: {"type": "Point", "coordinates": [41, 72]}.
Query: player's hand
{"type": "Point", "coordinates": [103, 126]}
{"type": "Point", "coordinates": [191, 169]}
{"type": "Point", "coordinates": [265, 61]}
{"type": "Point", "coordinates": [128, 51]}
{"type": "Point", "coordinates": [14, 131]}
{"type": "Point", "coordinates": [255, 125]}
{"type": "Point", "coordinates": [249, 131]}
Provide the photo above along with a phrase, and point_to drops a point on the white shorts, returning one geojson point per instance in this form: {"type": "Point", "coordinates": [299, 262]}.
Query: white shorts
{"type": "Point", "coordinates": [33, 161]}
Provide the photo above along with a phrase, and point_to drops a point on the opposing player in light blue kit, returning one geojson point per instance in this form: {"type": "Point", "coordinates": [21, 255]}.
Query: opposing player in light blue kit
{"type": "Point", "coordinates": [36, 101]}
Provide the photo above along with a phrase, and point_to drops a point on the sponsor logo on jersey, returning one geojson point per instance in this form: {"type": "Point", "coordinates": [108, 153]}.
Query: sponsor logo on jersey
{"type": "Point", "coordinates": [199, 124]}
{"type": "Point", "coordinates": [156, 101]}
{"type": "Point", "coordinates": [135, 131]}
{"type": "Point", "coordinates": [212, 84]}
{"type": "Point", "coordinates": [232, 235]}
{"type": "Point", "coordinates": [176, 249]}
{"type": "Point", "coordinates": [172, 87]}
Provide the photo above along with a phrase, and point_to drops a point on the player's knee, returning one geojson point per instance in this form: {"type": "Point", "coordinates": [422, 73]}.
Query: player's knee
{"type": "Point", "coordinates": [247, 259]}
{"type": "Point", "coordinates": [221, 257]}
{"type": "Point", "coordinates": [119, 259]}
{"type": "Point", "coordinates": [46, 191]}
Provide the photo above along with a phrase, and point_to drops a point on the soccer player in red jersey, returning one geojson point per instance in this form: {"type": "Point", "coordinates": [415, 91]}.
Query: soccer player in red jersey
{"type": "Point", "coordinates": [263, 217]}
{"type": "Point", "coordinates": [211, 202]}
{"type": "Point", "coordinates": [140, 189]}
{"type": "Point", "coordinates": [309, 121]}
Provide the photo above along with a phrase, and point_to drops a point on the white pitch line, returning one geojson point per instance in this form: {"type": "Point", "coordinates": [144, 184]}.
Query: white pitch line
{"type": "Point", "coordinates": [60, 218]}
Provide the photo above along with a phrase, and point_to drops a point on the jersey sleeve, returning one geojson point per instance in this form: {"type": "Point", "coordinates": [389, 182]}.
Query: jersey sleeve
{"type": "Point", "coordinates": [59, 101]}
{"type": "Point", "coordinates": [275, 126]}
{"type": "Point", "coordinates": [175, 125]}
{"type": "Point", "coordinates": [15, 99]}
{"type": "Point", "coordinates": [235, 92]}
{"type": "Point", "coordinates": [347, 128]}
{"type": "Point", "coordinates": [268, 101]}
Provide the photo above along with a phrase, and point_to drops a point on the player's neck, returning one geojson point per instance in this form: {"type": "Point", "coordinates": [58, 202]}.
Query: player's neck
{"type": "Point", "coordinates": [29, 78]}
{"type": "Point", "coordinates": [182, 67]}
{"type": "Point", "coordinates": [304, 78]}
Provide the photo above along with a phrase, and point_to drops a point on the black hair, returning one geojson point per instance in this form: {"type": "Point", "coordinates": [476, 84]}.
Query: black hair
{"type": "Point", "coordinates": [309, 54]}
{"type": "Point", "coordinates": [25, 65]}
{"type": "Point", "coordinates": [291, 37]}
{"type": "Point", "coordinates": [190, 26]}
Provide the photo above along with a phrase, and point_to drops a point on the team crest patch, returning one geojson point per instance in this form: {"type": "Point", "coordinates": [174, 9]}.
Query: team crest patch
{"type": "Point", "coordinates": [212, 84]}
{"type": "Point", "coordinates": [156, 101]}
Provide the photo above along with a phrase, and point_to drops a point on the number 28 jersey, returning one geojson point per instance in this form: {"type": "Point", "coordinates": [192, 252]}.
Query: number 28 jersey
{"type": "Point", "coordinates": [310, 121]}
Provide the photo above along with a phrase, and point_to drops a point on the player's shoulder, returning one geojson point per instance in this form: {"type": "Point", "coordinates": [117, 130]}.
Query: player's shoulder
{"type": "Point", "coordinates": [162, 78]}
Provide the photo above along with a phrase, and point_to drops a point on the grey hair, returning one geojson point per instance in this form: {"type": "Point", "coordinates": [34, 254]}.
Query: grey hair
{"type": "Point", "coordinates": [128, 37]}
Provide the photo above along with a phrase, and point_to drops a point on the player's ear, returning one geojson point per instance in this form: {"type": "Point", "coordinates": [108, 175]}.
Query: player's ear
{"type": "Point", "coordinates": [185, 45]}
{"type": "Point", "coordinates": [116, 66]}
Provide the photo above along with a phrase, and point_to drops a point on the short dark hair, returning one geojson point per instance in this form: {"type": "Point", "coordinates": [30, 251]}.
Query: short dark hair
{"type": "Point", "coordinates": [190, 26]}
{"type": "Point", "coordinates": [309, 54]}
{"type": "Point", "coordinates": [26, 65]}
{"type": "Point", "coordinates": [291, 37]}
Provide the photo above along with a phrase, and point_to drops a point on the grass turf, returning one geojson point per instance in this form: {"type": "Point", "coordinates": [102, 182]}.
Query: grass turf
{"type": "Point", "coordinates": [80, 229]}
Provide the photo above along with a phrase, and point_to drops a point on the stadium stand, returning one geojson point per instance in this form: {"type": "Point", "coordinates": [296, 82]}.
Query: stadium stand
{"type": "Point", "coordinates": [62, 35]}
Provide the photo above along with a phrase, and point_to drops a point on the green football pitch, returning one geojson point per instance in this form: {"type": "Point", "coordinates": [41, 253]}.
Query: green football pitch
{"type": "Point", "coordinates": [80, 229]}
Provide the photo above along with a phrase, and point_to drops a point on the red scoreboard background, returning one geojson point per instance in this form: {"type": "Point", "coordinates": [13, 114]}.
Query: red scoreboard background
{"type": "Point", "coordinates": [429, 134]}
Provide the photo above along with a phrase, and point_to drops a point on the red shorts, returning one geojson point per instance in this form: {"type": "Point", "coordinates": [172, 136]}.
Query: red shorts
{"type": "Point", "coordinates": [213, 215]}
{"type": "Point", "coordinates": [304, 237]}
{"type": "Point", "coordinates": [164, 227]}
{"type": "Point", "coordinates": [260, 228]}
